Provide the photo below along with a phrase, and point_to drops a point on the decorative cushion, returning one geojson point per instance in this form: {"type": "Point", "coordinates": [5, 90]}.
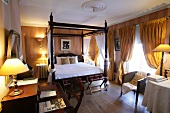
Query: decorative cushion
{"type": "Point", "coordinates": [73, 60]}
{"type": "Point", "coordinates": [138, 76]}
{"type": "Point", "coordinates": [65, 61]}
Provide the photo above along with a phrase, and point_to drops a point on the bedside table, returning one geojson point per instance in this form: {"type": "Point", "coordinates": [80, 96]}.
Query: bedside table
{"type": "Point", "coordinates": [23, 103]}
{"type": "Point", "coordinates": [42, 71]}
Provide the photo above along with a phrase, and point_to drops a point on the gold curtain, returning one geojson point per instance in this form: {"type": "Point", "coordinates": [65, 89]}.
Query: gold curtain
{"type": "Point", "coordinates": [127, 40]}
{"type": "Point", "coordinates": [110, 42]}
{"type": "Point", "coordinates": [152, 34]}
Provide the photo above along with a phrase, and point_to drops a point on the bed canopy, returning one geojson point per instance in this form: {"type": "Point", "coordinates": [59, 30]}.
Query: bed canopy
{"type": "Point", "coordinates": [83, 28]}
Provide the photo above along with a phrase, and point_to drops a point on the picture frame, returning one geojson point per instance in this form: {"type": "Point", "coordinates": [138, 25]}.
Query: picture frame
{"type": "Point", "coordinates": [117, 44]}
{"type": "Point", "coordinates": [65, 45]}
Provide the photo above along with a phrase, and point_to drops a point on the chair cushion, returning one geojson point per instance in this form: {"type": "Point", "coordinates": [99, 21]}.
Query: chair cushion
{"type": "Point", "coordinates": [138, 76]}
{"type": "Point", "coordinates": [127, 87]}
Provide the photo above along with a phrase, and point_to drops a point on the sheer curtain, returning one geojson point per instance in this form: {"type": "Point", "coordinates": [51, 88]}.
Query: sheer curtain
{"type": "Point", "coordinates": [100, 39]}
{"type": "Point", "coordinates": [86, 41]}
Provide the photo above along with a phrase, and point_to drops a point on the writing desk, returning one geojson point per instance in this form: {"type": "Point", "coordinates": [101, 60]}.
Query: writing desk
{"type": "Point", "coordinates": [157, 97]}
{"type": "Point", "coordinates": [60, 94]}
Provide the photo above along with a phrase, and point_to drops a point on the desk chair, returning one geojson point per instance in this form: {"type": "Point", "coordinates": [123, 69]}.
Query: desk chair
{"type": "Point", "coordinates": [77, 91]}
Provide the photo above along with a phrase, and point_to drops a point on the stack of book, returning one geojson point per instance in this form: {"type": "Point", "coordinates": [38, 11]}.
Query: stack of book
{"type": "Point", "coordinates": [156, 78]}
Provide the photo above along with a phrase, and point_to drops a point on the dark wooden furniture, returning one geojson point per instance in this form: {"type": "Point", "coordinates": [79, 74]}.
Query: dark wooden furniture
{"type": "Point", "coordinates": [90, 29]}
{"type": "Point", "coordinates": [60, 94]}
{"type": "Point", "coordinates": [77, 91]}
{"type": "Point", "coordinates": [141, 84]}
{"type": "Point", "coordinates": [24, 103]}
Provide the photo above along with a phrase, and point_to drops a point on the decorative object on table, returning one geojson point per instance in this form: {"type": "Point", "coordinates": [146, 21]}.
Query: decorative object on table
{"type": "Point", "coordinates": [117, 44]}
{"type": "Point", "coordinates": [48, 93]}
{"type": "Point", "coordinates": [156, 78]}
{"type": "Point", "coordinates": [65, 45]}
{"type": "Point", "coordinates": [13, 67]}
{"type": "Point", "coordinates": [51, 105]}
{"type": "Point", "coordinates": [43, 57]}
{"type": "Point", "coordinates": [162, 48]}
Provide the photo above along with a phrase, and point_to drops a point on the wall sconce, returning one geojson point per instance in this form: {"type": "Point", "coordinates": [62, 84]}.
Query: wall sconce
{"type": "Point", "coordinates": [39, 39]}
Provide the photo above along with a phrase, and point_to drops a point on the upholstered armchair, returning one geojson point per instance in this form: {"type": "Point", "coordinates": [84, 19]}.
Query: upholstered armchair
{"type": "Point", "coordinates": [135, 81]}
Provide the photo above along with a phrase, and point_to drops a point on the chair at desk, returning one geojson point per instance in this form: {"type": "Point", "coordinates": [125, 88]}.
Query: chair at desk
{"type": "Point", "coordinates": [134, 81]}
{"type": "Point", "coordinates": [77, 91]}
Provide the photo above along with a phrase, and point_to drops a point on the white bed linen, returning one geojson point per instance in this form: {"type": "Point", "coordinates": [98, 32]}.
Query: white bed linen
{"type": "Point", "coordinates": [74, 70]}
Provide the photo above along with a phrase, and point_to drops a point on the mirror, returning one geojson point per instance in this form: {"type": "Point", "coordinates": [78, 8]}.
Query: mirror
{"type": "Point", "coordinates": [13, 49]}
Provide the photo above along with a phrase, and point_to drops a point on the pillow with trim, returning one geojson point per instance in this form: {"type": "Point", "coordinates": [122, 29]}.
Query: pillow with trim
{"type": "Point", "coordinates": [65, 61]}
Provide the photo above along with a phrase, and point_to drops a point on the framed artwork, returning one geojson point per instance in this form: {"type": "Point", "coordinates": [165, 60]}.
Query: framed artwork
{"type": "Point", "coordinates": [117, 44]}
{"type": "Point", "coordinates": [65, 45]}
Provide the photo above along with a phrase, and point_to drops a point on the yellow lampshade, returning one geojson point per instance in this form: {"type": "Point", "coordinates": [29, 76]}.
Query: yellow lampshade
{"type": "Point", "coordinates": [162, 48]}
{"type": "Point", "coordinates": [12, 67]}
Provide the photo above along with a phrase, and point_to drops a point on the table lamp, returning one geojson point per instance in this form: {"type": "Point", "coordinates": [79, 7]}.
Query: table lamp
{"type": "Point", "coordinates": [13, 67]}
{"type": "Point", "coordinates": [43, 58]}
{"type": "Point", "coordinates": [162, 48]}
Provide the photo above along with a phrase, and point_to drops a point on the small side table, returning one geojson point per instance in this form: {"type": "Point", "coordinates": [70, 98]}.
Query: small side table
{"type": "Point", "coordinates": [42, 71]}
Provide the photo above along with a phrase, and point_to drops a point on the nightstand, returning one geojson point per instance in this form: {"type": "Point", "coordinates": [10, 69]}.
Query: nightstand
{"type": "Point", "coordinates": [23, 103]}
{"type": "Point", "coordinates": [42, 71]}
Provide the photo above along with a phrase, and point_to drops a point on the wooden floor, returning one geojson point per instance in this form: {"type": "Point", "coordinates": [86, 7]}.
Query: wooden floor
{"type": "Point", "coordinates": [110, 102]}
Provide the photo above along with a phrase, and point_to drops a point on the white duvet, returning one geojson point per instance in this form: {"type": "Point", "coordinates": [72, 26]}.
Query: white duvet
{"type": "Point", "coordinates": [75, 70]}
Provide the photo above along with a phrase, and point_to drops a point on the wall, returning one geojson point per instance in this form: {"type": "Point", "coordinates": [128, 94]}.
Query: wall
{"type": "Point", "coordinates": [10, 19]}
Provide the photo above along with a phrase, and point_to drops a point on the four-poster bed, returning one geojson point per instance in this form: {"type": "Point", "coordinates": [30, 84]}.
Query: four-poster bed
{"type": "Point", "coordinates": [90, 29]}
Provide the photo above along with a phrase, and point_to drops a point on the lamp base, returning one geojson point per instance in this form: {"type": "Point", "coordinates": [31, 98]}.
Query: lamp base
{"type": "Point", "coordinates": [16, 92]}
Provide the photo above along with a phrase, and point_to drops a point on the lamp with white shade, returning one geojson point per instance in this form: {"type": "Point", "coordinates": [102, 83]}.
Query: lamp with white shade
{"type": "Point", "coordinates": [162, 48]}
{"type": "Point", "coordinates": [13, 67]}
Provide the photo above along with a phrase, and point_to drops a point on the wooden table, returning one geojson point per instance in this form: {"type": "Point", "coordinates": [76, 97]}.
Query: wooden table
{"type": "Point", "coordinates": [23, 103]}
{"type": "Point", "coordinates": [60, 94]}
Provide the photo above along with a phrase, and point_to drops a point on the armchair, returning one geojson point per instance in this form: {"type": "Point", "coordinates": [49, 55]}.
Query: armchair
{"type": "Point", "coordinates": [136, 79]}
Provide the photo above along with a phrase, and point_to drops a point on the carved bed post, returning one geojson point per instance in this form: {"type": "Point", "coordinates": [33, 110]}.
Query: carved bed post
{"type": "Point", "coordinates": [106, 60]}
{"type": "Point", "coordinates": [82, 41]}
{"type": "Point", "coordinates": [52, 63]}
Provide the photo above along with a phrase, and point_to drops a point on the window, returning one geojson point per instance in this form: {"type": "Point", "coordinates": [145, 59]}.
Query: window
{"type": "Point", "coordinates": [138, 61]}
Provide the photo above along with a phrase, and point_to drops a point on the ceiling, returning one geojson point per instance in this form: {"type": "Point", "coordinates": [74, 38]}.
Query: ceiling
{"type": "Point", "coordinates": [37, 12]}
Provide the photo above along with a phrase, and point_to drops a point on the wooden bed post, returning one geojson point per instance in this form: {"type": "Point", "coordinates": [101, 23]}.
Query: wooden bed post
{"type": "Point", "coordinates": [52, 63]}
{"type": "Point", "coordinates": [106, 60]}
{"type": "Point", "coordinates": [82, 37]}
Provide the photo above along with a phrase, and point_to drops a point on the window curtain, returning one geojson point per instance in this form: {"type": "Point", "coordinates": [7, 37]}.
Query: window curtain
{"type": "Point", "coordinates": [152, 34]}
{"type": "Point", "coordinates": [127, 40]}
{"type": "Point", "coordinates": [86, 41]}
{"type": "Point", "coordinates": [110, 43]}
{"type": "Point", "coordinates": [100, 39]}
